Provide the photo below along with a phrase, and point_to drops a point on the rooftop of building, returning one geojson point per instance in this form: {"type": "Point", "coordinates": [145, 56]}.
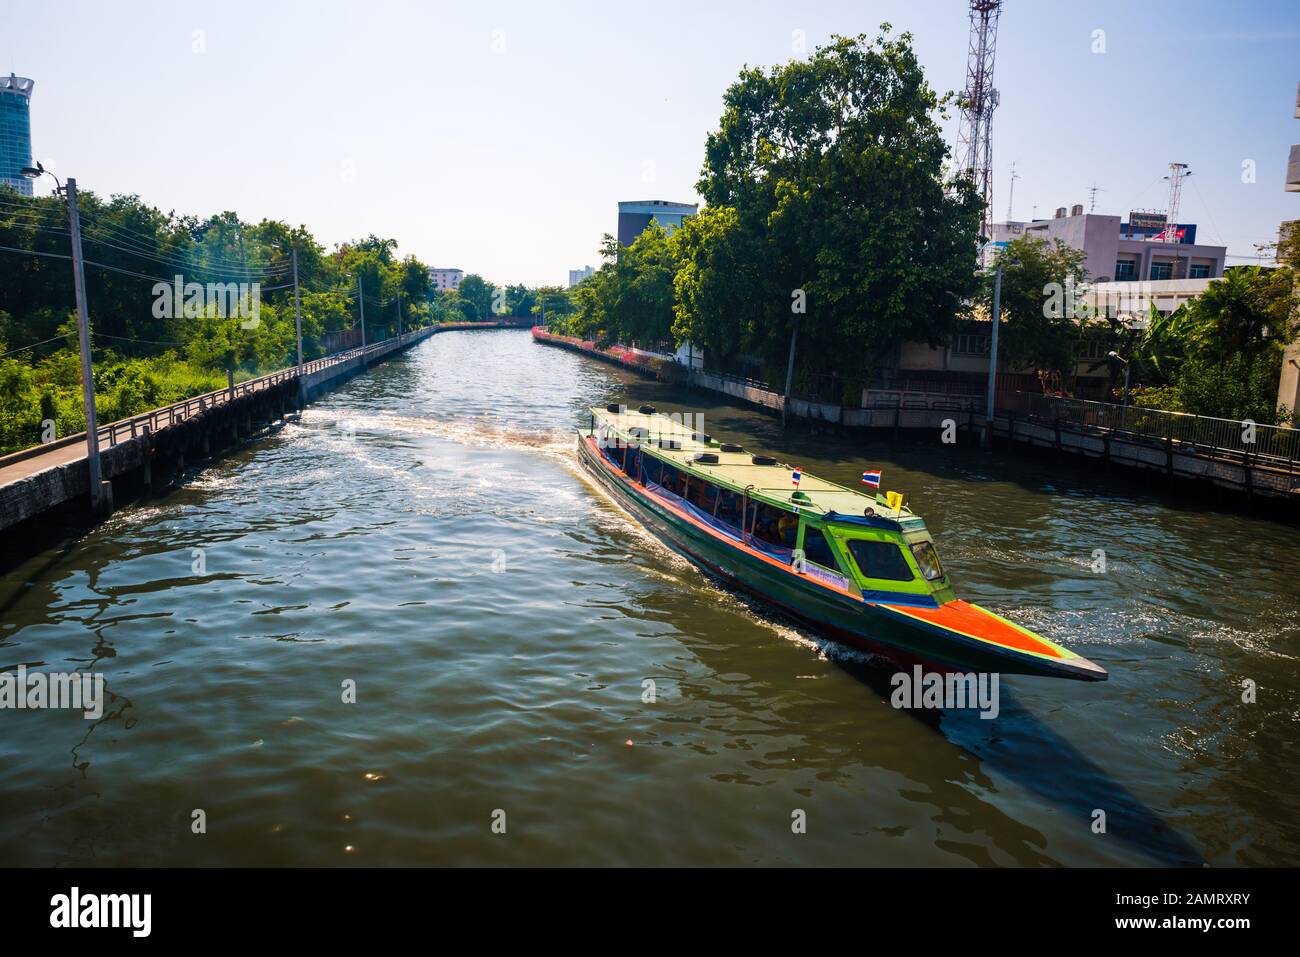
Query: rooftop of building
{"type": "Point", "coordinates": [17, 84]}
{"type": "Point", "coordinates": [652, 205]}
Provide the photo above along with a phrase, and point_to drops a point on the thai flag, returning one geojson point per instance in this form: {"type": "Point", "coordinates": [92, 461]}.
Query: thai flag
{"type": "Point", "coordinates": [871, 478]}
{"type": "Point", "coordinates": [795, 476]}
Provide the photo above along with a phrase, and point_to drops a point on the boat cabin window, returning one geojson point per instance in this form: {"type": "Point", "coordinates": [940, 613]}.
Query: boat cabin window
{"type": "Point", "coordinates": [817, 549]}
{"type": "Point", "coordinates": [927, 559]}
{"type": "Point", "coordinates": [881, 560]}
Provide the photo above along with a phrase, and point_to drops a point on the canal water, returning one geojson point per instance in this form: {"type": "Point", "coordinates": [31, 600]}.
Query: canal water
{"type": "Point", "coordinates": [423, 543]}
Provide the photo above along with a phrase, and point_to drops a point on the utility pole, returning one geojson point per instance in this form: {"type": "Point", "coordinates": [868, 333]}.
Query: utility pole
{"type": "Point", "coordinates": [789, 369]}
{"type": "Point", "coordinates": [361, 300]}
{"type": "Point", "coordinates": [97, 502]}
{"type": "Point", "coordinates": [399, 313]}
{"type": "Point", "coordinates": [297, 309]}
{"type": "Point", "coordinates": [993, 358]}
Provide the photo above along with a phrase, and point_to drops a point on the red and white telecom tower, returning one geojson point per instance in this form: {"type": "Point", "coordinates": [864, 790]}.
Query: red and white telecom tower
{"type": "Point", "coordinates": [974, 140]}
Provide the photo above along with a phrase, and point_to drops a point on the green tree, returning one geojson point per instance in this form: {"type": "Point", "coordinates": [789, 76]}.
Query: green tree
{"type": "Point", "coordinates": [476, 295]}
{"type": "Point", "coordinates": [1041, 285]}
{"type": "Point", "coordinates": [721, 268]}
{"type": "Point", "coordinates": [834, 168]}
{"type": "Point", "coordinates": [553, 306]}
{"type": "Point", "coordinates": [642, 308]}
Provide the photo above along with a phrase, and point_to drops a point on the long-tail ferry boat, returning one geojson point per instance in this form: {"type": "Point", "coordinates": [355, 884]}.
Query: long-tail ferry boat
{"type": "Point", "coordinates": [861, 569]}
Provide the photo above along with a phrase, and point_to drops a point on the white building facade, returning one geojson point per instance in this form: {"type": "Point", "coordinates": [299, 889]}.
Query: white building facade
{"type": "Point", "coordinates": [446, 280]}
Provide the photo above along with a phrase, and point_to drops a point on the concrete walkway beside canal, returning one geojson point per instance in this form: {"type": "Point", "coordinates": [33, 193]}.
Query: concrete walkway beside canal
{"type": "Point", "coordinates": [40, 479]}
{"type": "Point", "coordinates": [1205, 454]}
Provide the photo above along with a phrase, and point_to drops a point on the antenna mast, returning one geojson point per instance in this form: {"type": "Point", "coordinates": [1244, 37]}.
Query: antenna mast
{"type": "Point", "coordinates": [1011, 190]}
{"type": "Point", "coordinates": [1093, 190]}
{"type": "Point", "coordinates": [974, 143]}
{"type": "Point", "coordinates": [1177, 172]}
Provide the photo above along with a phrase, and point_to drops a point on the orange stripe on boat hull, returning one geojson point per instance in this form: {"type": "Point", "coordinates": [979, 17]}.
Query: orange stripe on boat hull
{"type": "Point", "coordinates": [969, 620]}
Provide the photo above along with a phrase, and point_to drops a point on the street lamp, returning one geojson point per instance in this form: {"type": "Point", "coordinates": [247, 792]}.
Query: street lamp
{"type": "Point", "coordinates": [1123, 416]}
{"type": "Point", "coordinates": [995, 321]}
{"type": "Point", "coordinates": [97, 491]}
{"type": "Point", "coordinates": [297, 303]}
{"type": "Point", "coordinates": [35, 172]}
{"type": "Point", "coordinates": [361, 302]}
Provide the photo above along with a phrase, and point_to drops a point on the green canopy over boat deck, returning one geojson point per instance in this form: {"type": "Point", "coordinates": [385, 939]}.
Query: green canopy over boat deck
{"type": "Point", "coordinates": [667, 438]}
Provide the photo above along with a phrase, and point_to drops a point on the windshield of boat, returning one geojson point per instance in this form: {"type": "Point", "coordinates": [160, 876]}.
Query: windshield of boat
{"type": "Point", "coordinates": [817, 549]}
{"type": "Point", "coordinates": [927, 559]}
{"type": "Point", "coordinates": [880, 560]}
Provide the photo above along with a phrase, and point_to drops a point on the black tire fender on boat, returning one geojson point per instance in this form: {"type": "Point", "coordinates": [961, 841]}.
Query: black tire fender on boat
{"type": "Point", "coordinates": [732, 447]}
{"type": "Point", "coordinates": [762, 460]}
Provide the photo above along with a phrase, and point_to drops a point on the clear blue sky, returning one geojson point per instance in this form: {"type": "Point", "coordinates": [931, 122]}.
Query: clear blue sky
{"type": "Point", "coordinates": [505, 153]}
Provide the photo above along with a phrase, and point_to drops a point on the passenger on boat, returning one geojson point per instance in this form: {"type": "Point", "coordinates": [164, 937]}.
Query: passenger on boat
{"type": "Point", "coordinates": [764, 524]}
{"type": "Point", "coordinates": [729, 508]}
{"type": "Point", "coordinates": [708, 496]}
{"type": "Point", "coordinates": [787, 528]}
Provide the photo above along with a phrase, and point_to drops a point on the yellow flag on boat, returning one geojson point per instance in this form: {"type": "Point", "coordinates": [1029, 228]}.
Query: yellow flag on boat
{"type": "Point", "coordinates": [895, 500]}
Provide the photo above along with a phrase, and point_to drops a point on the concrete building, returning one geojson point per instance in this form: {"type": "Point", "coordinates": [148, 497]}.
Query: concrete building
{"type": "Point", "coordinates": [1117, 251]}
{"type": "Point", "coordinates": [634, 216]}
{"type": "Point", "coordinates": [962, 365]}
{"type": "Point", "coordinates": [446, 280]}
{"type": "Point", "coordinates": [578, 275]}
{"type": "Point", "coordinates": [1132, 301]}
{"type": "Point", "coordinates": [15, 132]}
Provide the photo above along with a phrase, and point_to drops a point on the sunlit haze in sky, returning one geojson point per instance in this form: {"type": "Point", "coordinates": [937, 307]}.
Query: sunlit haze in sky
{"type": "Point", "coordinates": [499, 137]}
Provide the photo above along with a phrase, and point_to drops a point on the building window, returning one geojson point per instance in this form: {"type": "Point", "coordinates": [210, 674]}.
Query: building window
{"type": "Point", "coordinates": [1091, 349]}
{"type": "Point", "coordinates": [970, 344]}
{"type": "Point", "coordinates": [1125, 270]}
{"type": "Point", "coordinates": [1162, 270]}
{"type": "Point", "coordinates": [1199, 271]}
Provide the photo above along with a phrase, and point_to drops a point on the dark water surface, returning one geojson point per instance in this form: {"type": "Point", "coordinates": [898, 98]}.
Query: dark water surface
{"type": "Point", "coordinates": [425, 533]}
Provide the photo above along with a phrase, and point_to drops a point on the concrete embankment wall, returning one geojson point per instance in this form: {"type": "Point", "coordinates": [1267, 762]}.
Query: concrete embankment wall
{"type": "Point", "coordinates": [134, 455]}
{"type": "Point", "coordinates": [1229, 478]}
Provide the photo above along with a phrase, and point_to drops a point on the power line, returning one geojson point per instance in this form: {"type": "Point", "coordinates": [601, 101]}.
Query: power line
{"type": "Point", "coordinates": [117, 269]}
{"type": "Point", "coordinates": [230, 273]}
{"type": "Point", "coordinates": [34, 252]}
{"type": "Point", "coordinates": [145, 241]}
{"type": "Point", "coordinates": [189, 262]}
{"type": "Point", "coordinates": [155, 342]}
{"type": "Point", "coordinates": [33, 345]}
{"type": "Point", "coordinates": [126, 272]}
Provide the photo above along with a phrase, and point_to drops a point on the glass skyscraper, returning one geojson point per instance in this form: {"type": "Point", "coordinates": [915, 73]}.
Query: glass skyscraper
{"type": "Point", "coordinates": [15, 132]}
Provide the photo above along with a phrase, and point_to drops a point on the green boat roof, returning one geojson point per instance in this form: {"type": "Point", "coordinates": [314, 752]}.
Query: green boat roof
{"type": "Point", "coordinates": [736, 470]}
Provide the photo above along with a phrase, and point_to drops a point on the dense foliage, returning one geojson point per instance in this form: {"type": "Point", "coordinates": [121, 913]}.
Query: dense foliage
{"type": "Point", "coordinates": [148, 348]}
{"type": "Point", "coordinates": [1041, 283]}
{"type": "Point", "coordinates": [1221, 354]}
{"type": "Point", "coordinates": [827, 206]}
